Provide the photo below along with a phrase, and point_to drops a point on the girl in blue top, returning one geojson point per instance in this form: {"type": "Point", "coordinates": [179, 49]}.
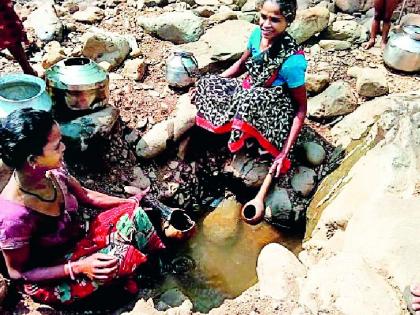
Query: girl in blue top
{"type": "Point", "coordinates": [270, 104]}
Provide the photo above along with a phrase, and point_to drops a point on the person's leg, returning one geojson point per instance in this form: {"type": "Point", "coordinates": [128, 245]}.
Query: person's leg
{"type": "Point", "coordinates": [376, 22]}
{"type": "Point", "coordinates": [18, 53]}
{"type": "Point", "coordinates": [390, 6]}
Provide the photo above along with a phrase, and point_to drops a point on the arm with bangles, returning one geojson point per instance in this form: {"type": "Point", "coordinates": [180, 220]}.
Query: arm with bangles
{"type": "Point", "coordinates": [98, 266]}
{"type": "Point", "coordinates": [299, 98]}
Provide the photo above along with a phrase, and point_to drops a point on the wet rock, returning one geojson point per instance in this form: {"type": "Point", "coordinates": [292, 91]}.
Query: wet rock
{"type": "Point", "coordinates": [351, 6]}
{"type": "Point", "coordinates": [224, 42]}
{"type": "Point", "coordinates": [303, 181]}
{"type": "Point", "coordinates": [278, 207]}
{"type": "Point", "coordinates": [45, 23]}
{"type": "Point", "coordinates": [331, 45]}
{"type": "Point", "coordinates": [252, 173]}
{"type": "Point", "coordinates": [134, 69]}
{"type": "Point", "coordinates": [5, 173]}
{"type": "Point", "coordinates": [177, 27]}
{"type": "Point", "coordinates": [140, 179]}
{"type": "Point", "coordinates": [54, 53]}
{"type": "Point", "coordinates": [221, 225]}
{"type": "Point", "coordinates": [89, 15]}
{"type": "Point", "coordinates": [80, 131]}
{"type": "Point", "coordinates": [317, 82]}
{"type": "Point", "coordinates": [309, 22]}
{"type": "Point", "coordinates": [372, 83]}
{"type": "Point", "coordinates": [273, 283]}
{"type": "Point", "coordinates": [337, 99]}
{"type": "Point", "coordinates": [314, 153]}
{"type": "Point", "coordinates": [349, 31]}
{"type": "Point", "coordinates": [173, 297]}
{"type": "Point", "coordinates": [101, 46]}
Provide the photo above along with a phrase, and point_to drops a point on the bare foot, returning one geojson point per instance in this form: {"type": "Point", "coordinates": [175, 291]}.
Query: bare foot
{"type": "Point", "coordinates": [383, 44]}
{"type": "Point", "coordinates": [415, 291]}
{"type": "Point", "coordinates": [369, 44]}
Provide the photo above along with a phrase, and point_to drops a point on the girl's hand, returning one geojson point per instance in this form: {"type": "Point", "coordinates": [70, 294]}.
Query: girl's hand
{"type": "Point", "coordinates": [98, 266]}
{"type": "Point", "coordinates": [276, 167]}
{"type": "Point", "coordinates": [137, 193]}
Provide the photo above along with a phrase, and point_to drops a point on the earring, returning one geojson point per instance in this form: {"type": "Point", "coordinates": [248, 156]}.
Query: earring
{"type": "Point", "coordinates": [31, 162]}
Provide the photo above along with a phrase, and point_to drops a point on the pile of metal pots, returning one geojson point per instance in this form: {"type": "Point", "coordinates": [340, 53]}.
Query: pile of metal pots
{"type": "Point", "coordinates": [73, 87]}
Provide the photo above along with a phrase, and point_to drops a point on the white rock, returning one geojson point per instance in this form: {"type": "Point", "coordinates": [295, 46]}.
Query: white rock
{"type": "Point", "coordinates": [278, 270]}
{"type": "Point", "coordinates": [337, 99]}
{"type": "Point", "coordinates": [372, 83]}
{"type": "Point", "coordinates": [354, 71]}
{"type": "Point", "coordinates": [134, 69]}
{"type": "Point", "coordinates": [207, 2]}
{"type": "Point", "coordinates": [54, 53]}
{"type": "Point", "coordinates": [309, 22]}
{"type": "Point", "coordinates": [89, 15]}
{"type": "Point", "coordinates": [303, 181]}
{"type": "Point", "coordinates": [347, 30]}
{"type": "Point", "coordinates": [223, 16]}
{"type": "Point", "coordinates": [331, 45]}
{"type": "Point", "coordinates": [46, 24]}
{"type": "Point", "coordinates": [351, 6]}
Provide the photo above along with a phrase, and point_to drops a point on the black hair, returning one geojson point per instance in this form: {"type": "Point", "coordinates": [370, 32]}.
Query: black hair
{"type": "Point", "coordinates": [287, 7]}
{"type": "Point", "coordinates": [24, 133]}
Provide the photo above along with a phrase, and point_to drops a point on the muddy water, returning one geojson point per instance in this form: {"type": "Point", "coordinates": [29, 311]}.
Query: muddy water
{"type": "Point", "coordinates": [225, 251]}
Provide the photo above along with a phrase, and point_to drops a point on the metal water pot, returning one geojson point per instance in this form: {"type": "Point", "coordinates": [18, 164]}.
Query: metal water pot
{"type": "Point", "coordinates": [76, 85]}
{"type": "Point", "coordinates": [402, 51]}
{"type": "Point", "coordinates": [22, 91]}
{"type": "Point", "coordinates": [181, 69]}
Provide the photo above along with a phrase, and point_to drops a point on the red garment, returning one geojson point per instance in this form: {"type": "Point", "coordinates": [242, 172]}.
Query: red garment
{"type": "Point", "coordinates": [11, 28]}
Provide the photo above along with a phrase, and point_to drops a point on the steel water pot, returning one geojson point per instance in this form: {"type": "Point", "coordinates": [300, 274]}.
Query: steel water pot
{"type": "Point", "coordinates": [402, 51]}
{"type": "Point", "coordinates": [22, 91]}
{"type": "Point", "coordinates": [181, 69]}
{"type": "Point", "coordinates": [76, 84]}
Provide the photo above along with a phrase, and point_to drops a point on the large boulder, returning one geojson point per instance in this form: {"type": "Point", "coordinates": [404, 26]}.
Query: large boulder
{"type": "Point", "coordinates": [337, 99]}
{"type": "Point", "coordinates": [45, 23]}
{"type": "Point", "coordinates": [372, 83]}
{"type": "Point", "coordinates": [279, 285]}
{"type": "Point", "coordinates": [223, 42]}
{"type": "Point", "coordinates": [102, 46]}
{"type": "Point", "coordinates": [351, 6]}
{"type": "Point", "coordinates": [309, 22]}
{"type": "Point", "coordinates": [348, 30]}
{"type": "Point", "coordinates": [177, 27]}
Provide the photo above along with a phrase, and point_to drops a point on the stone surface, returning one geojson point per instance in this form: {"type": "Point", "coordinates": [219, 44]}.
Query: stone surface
{"type": "Point", "coordinates": [372, 83]}
{"type": "Point", "coordinates": [89, 15]}
{"type": "Point", "coordinates": [252, 173]}
{"type": "Point", "coordinates": [155, 140]}
{"type": "Point", "coordinates": [278, 206]}
{"type": "Point", "coordinates": [3, 289]}
{"type": "Point", "coordinates": [346, 30]}
{"type": "Point", "coordinates": [278, 270]}
{"type": "Point", "coordinates": [45, 23]}
{"type": "Point", "coordinates": [220, 17]}
{"type": "Point", "coordinates": [331, 45]}
{"type": "Point", "coordinates": [177, 27]}
{"type": "Point", "coordinates": [205, 11]}
{"type": "Point", "coordinates": [154, 3]}
{"type": "Point", "coordinates": [101, 46]}
{"type": "Point", "coordinates": [224, 42]}
{"type": "Point", "coordinates": [316, 82]}
{"type": "Point", "coordinates": [314, 153]}
{"type": "Point", "coordinates": [54, 53]}
{"type": "Point", "coordinates": [309, 22]}
{"type": "Point", "coordinates": [249, 5]}
{"type": "Point", "coordinates": [303, 181]}
{"type": "Point", "coordinates": [134, 69]}
{"type": "Point", "coordinates": [354, 71]}
{"type": "Point", "coordinates": [140, 179]}
{"type": "Point", "coordinates": [80, 131]}
{"type": "Point", "coordinates": [351, 6]}
{"type": "Point", "coordinates": [337, 99]}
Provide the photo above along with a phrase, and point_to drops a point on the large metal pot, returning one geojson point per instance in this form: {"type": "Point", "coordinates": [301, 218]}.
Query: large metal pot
{"type": "Point", "coordinates": [403, 49]}
{"type": "Point", "coordinates": [22, 91]}
{"type": "Point", "coordinates": [181, 69]}
{"type": "Point", "coordinates": [75, 85]}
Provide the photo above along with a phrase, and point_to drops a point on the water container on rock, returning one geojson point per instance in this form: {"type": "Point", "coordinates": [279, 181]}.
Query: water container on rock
{"type": "Point", "coordinates": [181, 69]}
{"type": "Point", "coordinates": [22, 91]}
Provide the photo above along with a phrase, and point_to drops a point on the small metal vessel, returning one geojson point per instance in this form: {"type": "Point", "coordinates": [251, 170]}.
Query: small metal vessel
{"type": "Point", "coordinates": [181, 69]}
{"type": "Point", "coordinates": [75, 85]}
{"type": "Point", "coordinates": [402, 51]}
{"type": "Point", "coordinates": [22, 91]}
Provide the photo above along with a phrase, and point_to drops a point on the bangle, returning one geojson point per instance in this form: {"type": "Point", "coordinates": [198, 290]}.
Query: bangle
{"type": "Point", "coordinates": [70, 269]}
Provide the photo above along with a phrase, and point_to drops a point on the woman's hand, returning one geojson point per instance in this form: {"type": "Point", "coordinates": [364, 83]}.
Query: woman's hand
{"type": "Point", "coordinates": [98, 266]}
{"type": "Point", "coordinates": [277, 164]}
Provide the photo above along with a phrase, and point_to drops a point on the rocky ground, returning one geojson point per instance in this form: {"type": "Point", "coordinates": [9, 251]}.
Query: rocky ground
{"type": "Point", "coordinates": [146, 102]}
